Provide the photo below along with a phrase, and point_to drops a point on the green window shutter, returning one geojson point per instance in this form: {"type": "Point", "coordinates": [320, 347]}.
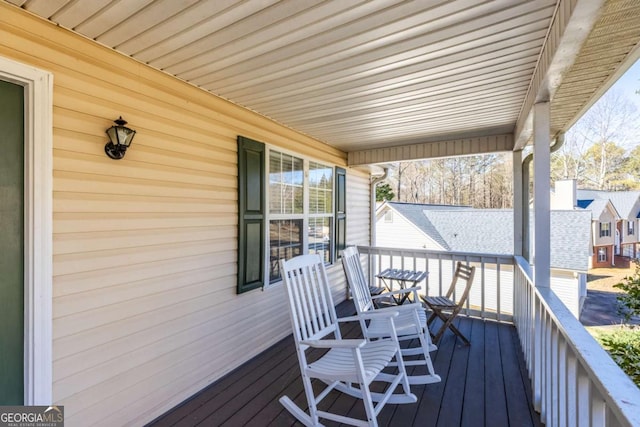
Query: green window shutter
{"type": "Point", "coordinates": [251, 214]}
{"type": "Point", "coordinates": [341, 211]}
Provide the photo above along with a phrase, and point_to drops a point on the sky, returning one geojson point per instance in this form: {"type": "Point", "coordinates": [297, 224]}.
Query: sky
{"type": "Point", "coordinates": [629, 83]}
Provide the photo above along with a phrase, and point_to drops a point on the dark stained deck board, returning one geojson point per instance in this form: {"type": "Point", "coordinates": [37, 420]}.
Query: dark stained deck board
{"type": "Point", "coordinates": [524, 375]}
{"type": "Point", "coordinates": [456, 382]}
{"type": "Point", "coordinates": [260, 363]}
{"type": "Point", "coordinates": [517, 402]}
{"type": "Point", "coordinates": [473, 399]}
{"type": "Point", "coordinates": [238, 392]}
{"type": "Point", "coordinates": [485, 383]}
{"type": "Point", "coordinates": [495, 400]}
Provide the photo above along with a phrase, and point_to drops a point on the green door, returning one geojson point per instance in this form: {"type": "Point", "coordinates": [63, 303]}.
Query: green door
{"type": "Point", "coordinates": [11, 244]}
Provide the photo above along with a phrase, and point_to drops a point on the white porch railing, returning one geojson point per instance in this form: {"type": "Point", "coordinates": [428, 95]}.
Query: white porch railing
{"type": "Point", "coordinates": [491, 295]}
{"type": "Point", "coordinates": [574, 381]}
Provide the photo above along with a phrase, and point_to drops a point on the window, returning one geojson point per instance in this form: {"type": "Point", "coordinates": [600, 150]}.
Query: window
{"type": "Point", "coordinates": [605, 229]}
{"type": "Point", "coordinates": [295, 201]}
{"type": "Point", "coordinates": [320, 210]}
{"type": "Point", "coordinates": [602, 254]}
{"type": "Point", "coordinates": [287, 206]}
{"type": "Point", "coordinates": [630, 226]}
{"type": "Point", "coordinates": [388, 216]}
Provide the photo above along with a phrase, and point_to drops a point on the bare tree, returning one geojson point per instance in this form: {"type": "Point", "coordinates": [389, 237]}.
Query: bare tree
{"type": "Point", "coordinates": [591, 153]}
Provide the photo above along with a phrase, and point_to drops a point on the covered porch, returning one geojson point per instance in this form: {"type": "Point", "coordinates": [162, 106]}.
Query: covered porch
{"type": "Point", "coordinates": [140, 308]}
{"type": "Point", "coordinates": [530, 361]}
{"type": "Point", "coordinates": [483, 384]}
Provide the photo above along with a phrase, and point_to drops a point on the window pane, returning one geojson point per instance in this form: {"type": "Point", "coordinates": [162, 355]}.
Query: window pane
{"type": "Point", "coordinates": [285, 242]}
{"type": "Point", "coordinates": [275, 198]}
{"type": "Point", "coordinates": [320, 237]}
{"type": "Point", "coordinates": [285, 183]}
{"type": "Point", "coordinates": [320, 188]}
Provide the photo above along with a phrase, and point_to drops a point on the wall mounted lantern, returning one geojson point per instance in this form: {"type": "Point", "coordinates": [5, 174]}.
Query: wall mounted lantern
{"type": "Point", "coordinates": [120, 138]}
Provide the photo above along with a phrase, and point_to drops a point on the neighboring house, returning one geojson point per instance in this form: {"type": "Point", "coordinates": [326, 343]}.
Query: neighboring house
{"type": "Point", "coordinates": [615, 219]}
{"type": "Point", "coordinates": [627, 206]}
{"type": "Point", "coordinates": [604, 218]}
{"type": "Point", "coordinates": [463, 229]}
{"type": "Point", "coordinates": [395, 219]}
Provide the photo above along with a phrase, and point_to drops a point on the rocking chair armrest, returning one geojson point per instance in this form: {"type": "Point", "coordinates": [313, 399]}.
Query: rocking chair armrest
{"type": "Point", "coordinates": [396, 292]}
{"type": "Point", "coordinates": [402, 307]}
{"type": "Point", "coordinates": [348, 343]}
{"type": "Point", "coordinates": [375, 314]}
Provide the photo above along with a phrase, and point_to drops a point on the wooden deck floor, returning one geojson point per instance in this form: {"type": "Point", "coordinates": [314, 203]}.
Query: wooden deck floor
{"type": "Point", "coordinates": [484, 384]}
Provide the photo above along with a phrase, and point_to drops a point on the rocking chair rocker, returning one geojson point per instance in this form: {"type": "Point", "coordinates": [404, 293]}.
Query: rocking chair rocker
{"type": "Point", "coordinates": [410, 324]}
{"type": "Point", "coordinates": [347, 362]}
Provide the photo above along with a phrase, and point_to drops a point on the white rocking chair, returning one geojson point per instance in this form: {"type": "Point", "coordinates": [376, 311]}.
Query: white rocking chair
{"type": "Point", "coordinates": [410, 324]}
{"type": "Point", "coordinates": [347, 362]}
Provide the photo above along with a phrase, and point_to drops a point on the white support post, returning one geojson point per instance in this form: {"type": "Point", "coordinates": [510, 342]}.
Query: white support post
{"type": "Point", "coordinates": [517, 203]}
{"type": "Point", "coordinates": [541, 194]}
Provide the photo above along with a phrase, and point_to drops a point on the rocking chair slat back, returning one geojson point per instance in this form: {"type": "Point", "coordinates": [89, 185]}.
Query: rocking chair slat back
{"type": "Point", "coordinates": [356, 279]}
{"type": "Point", "coordinates": [308, 291]}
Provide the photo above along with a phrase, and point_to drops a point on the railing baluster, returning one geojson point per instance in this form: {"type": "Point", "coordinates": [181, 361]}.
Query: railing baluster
{"type": "Point", "coordinates": [562, 382]}
{"type": "Point", "coordinates": [537, 357]}
{"type": "Point", "coordinates": [498, 290]}
{"type": "Point", "coordinates": [598, 410]}
{"type": "Point", "coordinates": [574, 383]}
{"type": "Point", "coordinates": [482, 289]}
{"type": "Point", "coordinates": [584, 417]}
{"type": "Point", "coordinates": [572, 391]}
{"type": "Point", "coordinates": [552, 354]}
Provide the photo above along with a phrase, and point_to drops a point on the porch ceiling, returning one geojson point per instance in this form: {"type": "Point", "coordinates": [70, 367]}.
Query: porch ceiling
{"type": "Point", "coordinates": [384, 80]}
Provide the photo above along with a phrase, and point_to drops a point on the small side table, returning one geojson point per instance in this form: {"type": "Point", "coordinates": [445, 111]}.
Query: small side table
{"type": "Point", "coordinates": [403, 277]}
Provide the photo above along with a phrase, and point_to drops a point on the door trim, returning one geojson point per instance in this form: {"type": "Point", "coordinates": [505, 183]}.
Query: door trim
{"type": "Point", "coordinates": [38, 208]}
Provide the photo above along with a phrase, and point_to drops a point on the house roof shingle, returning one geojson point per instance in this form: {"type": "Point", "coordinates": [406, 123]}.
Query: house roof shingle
{"type": "Point", "coordinates": [414, 213]}
{"type": "Point", "coordinates": [623, 201]}
{"type": "Point", "coordinates": [595, 206]}
{"type": "Point", "coordinates": [465, 229]}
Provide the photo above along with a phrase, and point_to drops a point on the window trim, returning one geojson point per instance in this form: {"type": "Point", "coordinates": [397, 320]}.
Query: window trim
{"type": "Point", "coordinates": [602, 251]}
{"type": "Point", "coordinates": [630, 228]}
{"type": "Point", "coordinates": [305, 215]}
{"type": "Point", "coordinates": [605, 232]}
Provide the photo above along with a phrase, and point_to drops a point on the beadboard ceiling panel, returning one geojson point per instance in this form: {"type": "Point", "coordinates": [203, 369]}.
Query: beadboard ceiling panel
{"type": "Point", "coordinates": [364, 75]}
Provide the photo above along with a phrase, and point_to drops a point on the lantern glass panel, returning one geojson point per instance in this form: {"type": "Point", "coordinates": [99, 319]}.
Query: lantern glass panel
{"type": "Point", "coordinates": [112, 135]}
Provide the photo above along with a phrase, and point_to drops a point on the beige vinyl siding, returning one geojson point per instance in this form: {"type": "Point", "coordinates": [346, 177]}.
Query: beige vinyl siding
{"type": "Point", "coordinates": [401, 233]}
{"type": "Point", "coordinates": [358, 215]}
{"type": "Point", "coordinates": [605, 216]}
{"type": "Point", "coordinates": [145, 305]}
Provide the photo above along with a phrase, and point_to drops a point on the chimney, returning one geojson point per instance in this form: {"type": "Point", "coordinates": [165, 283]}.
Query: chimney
{"type": "Point", "coordinates": [565, 195]}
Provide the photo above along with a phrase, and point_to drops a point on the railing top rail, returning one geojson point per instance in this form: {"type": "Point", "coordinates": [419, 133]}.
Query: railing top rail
{"type": "Point", "coordinates": [457, 256]}
{"type": "Point", "coordinates": [622, 396]}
